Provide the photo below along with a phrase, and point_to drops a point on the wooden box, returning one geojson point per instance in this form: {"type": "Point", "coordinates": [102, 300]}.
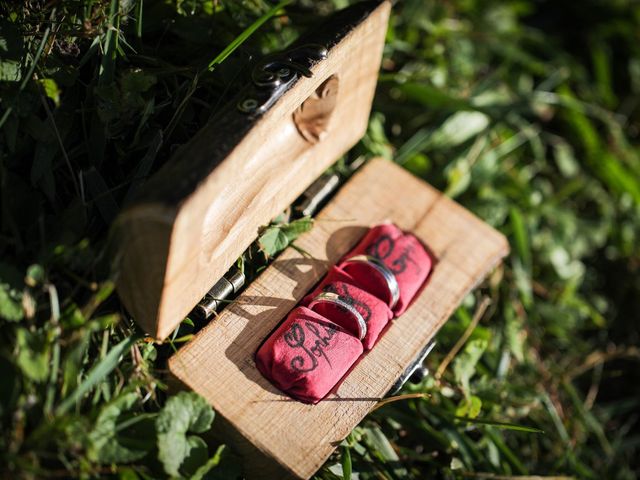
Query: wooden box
{"type": "Point", "coordinates": [196, 217]}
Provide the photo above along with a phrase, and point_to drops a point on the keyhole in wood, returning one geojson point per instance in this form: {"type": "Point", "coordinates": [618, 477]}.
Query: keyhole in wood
{"type": "Point", "coordinates": [312, 116]}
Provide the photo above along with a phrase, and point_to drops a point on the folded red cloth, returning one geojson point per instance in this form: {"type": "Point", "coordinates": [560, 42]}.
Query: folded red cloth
{"type": "Point", "coordinates": [311, 351]}
{"type": "Point", "coordinates": [307, 355]}
{"type": "Point", "coordinates": [374, 311]}
{"type": "Point", "coordinates": [402, 253]}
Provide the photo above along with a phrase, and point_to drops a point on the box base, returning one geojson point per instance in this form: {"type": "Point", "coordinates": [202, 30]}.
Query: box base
{"type": "Point", "coordinates": [276, 434]}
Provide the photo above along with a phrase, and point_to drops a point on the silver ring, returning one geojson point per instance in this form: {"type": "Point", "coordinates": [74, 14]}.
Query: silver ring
{"type": "Point", "coordinates": [383, 270]}
{"type": "Point", "coordinates": [334, 298]}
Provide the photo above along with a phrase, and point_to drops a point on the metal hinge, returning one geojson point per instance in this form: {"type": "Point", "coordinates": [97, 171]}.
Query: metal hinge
{"type": "Point", "coordinates": [273, 76]}
{"type": "Point", "coordinates": [224, 288]}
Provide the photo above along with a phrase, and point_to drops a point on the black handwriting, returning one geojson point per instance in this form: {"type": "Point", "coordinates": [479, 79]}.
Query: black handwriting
{"type": "Point", "coordinates": [295, 338]}
{"type": "Point", "coordinates": [383, 248]}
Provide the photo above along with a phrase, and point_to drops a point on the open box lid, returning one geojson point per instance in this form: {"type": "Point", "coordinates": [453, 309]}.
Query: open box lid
{"type": "Point", "coordinates": [192, 220]}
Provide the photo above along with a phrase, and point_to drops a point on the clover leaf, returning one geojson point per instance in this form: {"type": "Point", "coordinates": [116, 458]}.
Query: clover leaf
{"type": "Point", "coordinates": [184, 413]}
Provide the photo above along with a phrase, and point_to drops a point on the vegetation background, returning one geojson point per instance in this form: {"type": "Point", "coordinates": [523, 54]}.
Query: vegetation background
{"type": "Point", "coordinates": [525, 111]}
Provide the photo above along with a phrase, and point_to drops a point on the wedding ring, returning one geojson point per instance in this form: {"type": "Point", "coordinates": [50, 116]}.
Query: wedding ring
{"type": "Point", "coordinates": [334, 298]}
{"type": "Point", "coordinates": [385, 273]}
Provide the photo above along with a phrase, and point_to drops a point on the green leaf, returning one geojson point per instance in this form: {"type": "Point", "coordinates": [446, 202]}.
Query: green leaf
{"type": "Point", "coordinates": [565, 159]}
{"type": "Point", "coordinates": [514, 332]}
{"type": "Point", "coordinates": [454, 131]}
{"type": "Point", "coordinates": [418, 164]}
{"type": "Point", "coordinates": [210, 464]}
{"type": "Point", "coordinates": [296, 228]}
{"type": "Point", "coordinates": [607, 166]}
{"type": "Point", "coordinates": [346, 463]}
{"type": "Point", "coordinates": [523, 282]}
{"type": "Point", "coordinates": [10, 304]}
{"type": "Point", "coordinates": [456, 464]}
{"type": "Point", "coordinates": [501, 425]}
{"type": "Point", "coordinates": [521, 236]}
{"type": "Point", "coordinates": [110, 46]}
{"type": "Point", "coordinates": [35, 275]}
{"type": "Point", "coordinates": [103, 368]}
{"type": "Point", "coordinates": [240, 39]}
{"type": "Point", "coordinates": [497, 440]}
{"type": "Point", "coordinates": [11, 51]}
{"type": "Point", "coordinates": [469, 407]}
{"type": "Point", "coordinates": [457, 129]}
{"type": "Point", "coordinates": [184, 413]}
{"type": "Point", "coordinates": [272, 241]}
{"type": "Point", "coordinates": [377, 440]}
{"type": "Point", "coordinates": [602, 58]}
{"type": "Point", "coordinates": [198, 456]}
{"type": "Point", "coordinates": [104, 291]}
{"type": "Point", "coordinates": [432, 97]}
{"type": "Point", "coordinates": [380, 447]}
{"type": "Point", "coordinates": [375, 139]}
{"type": "Point", "coordinates": [458, 176]}
{"type": "Point", "coordinates": [105, 445]}
{"type": "Point", "coordinates": [51, 89]}
{"type": "Point", "coordinates": [278, 237]}
{"type": "Point", "coordinates": [464, 366]}
{"type": "Point", "coordinates": [32, 354]}
{"type": "Point", "coordinates": [475, 407]}
{"type": "Point", "coordinates": [127, 474]}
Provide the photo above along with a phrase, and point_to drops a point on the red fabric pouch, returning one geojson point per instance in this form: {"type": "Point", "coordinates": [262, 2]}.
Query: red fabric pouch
{"type": "Point", "coordinates": [374, 311]}
{"type": "Point", "coordinates": [307, 355]}
{"type": "Point", "coordinates": [402, 253]}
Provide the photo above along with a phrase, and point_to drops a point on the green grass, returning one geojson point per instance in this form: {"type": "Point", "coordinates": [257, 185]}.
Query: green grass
{"type": "Point", "coordinates": [526, 112]}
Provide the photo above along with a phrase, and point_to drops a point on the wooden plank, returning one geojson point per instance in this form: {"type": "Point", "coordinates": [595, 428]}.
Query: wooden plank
{"type": "Point", "coordinates": [204, 208]}
{"type": "Point", "coordinates": [219, 363]}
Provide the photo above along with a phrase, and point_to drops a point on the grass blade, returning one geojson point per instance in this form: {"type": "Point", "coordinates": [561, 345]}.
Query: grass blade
{"type": "Point", "coordinates": [398, 398]}
{"type": "Point", "coordinates": [240, 39]}
{"type": "Point", "coordinates": [346, 463]}
{"type": "Point", "coordinates": [108, 62]}
{"type": "Point", "coordinates": [502, 425]}
{"type": "Point", "coordinates": [97, 373]}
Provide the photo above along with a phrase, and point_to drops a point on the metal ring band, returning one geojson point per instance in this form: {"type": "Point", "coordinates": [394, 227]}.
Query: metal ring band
{"type": "Point", "coordinates": [383, 270]}
{"type": "Point", "coordinates": [334, 298]}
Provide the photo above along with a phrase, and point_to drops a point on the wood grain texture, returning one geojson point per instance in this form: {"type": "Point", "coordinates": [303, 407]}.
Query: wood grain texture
{"type": "Point", "coordinates": [203, 209]}
{"type": "Point", "coordinates": [218, 363]}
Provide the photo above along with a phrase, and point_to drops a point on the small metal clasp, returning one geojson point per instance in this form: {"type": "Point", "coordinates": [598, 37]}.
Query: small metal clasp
{"type": "Point", "coordinates": [272, 76]}
{"type": "Point", "coordinates": [415, 372]}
